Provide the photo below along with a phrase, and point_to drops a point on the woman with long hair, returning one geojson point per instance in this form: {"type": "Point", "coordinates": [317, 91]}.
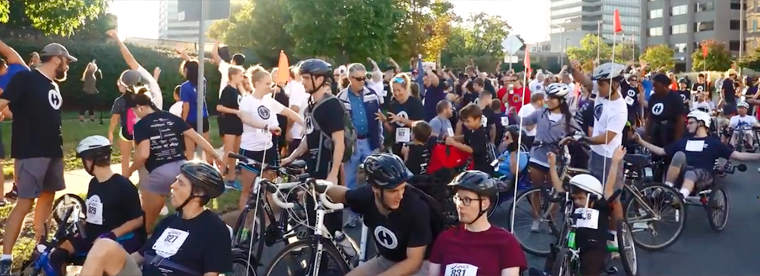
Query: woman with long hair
{"type": "Point", "coordinates": [230, 126]}
{"type": "Point", "coordinates": [403, 111]}
{"type": "Point", "coordinates": [188, 93]}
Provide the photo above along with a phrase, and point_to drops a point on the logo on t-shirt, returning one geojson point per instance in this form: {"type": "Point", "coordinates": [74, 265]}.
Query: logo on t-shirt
{"type": "Point", "coordinates": [700, 88]}
{"type": "Point", "coordinates": [55, 99]}
{"type": "Point", "coordinates": [385, 237]}
{"type": "Point", "coordinates": [658, 108]}
{"type": "Point", "coordinates": [402, 114]}
{"type": "Point", "coordinates": [263, 112]}
{"type": "Point", "coordinates": [683, 97]}
{"type": "Point", "coordinates": [598, 111]}
{"type": "Point", "coordinates": [308, 124]}
{"type": "Point", "coordinates": [483, 120]}
{"type": "Point", "coordinates": [631, 93]}
{"type": "Point", "coordinates": [239, 99]}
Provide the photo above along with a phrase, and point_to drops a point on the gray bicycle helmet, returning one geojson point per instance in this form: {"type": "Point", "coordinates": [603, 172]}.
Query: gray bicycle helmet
{"type": "Point", "coordinates": [205, 177]}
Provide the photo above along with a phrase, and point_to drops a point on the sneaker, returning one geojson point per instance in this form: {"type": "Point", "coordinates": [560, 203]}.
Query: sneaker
{"type": "Point", "coordinates": [232, 185]}
{"type": "Point", "coordinates": [536, 226]}
{"type": "Point", "coordinates": [5, 267]}
{"type": "Point", "coordinates": [13, 194]}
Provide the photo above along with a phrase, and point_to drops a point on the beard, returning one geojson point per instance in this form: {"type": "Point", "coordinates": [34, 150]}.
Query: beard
{"type": "Point", "coordinates": [60, 73]}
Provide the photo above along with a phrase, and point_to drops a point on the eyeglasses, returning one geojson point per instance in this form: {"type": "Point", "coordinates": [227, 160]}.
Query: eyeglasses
{"type": "Point", "coordinates": [359, 78]}
{"type": "Point", "coordinates": [466, 201]}
{"type": "Point", "coordinates": [633, 80]}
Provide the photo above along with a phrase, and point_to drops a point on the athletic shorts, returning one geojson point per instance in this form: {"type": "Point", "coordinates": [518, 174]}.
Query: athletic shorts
{"type": "Point", "coordinates": [37, 175]}
{"type": "Point", "coordinates": [124, 134]}
{"type": "Point", "coordinates": [194, 125]}
{"type": "Point", "coordinates": [161, 179]}
{"type": "Point", "coordinates": [599, 166]}
{"type": "Point", "coordinates": [269, 157]}
{"type": "Point", "coordinates": [229, 126]}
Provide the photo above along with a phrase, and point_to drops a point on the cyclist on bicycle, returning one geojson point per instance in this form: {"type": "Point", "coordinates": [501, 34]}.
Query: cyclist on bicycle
{"type": "Point", "coordinates": [113, 205]}
{"type": "Point", "coordinates": [181, 244]}
{"type": "Point", "coordinates": [701, 150]}
{"type": "Point", "coordinates": [742, 124]}
{"type": "Point", "coordinates": [394, 212]}
{"type": "Point", "coordinates": [476, 248]}
{"type": "Point", "coordinates": [594, 202]}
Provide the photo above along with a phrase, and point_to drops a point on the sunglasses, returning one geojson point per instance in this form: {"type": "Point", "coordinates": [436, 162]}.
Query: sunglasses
{"type": "Point", "coordinates": [359, 78]}
{"type": "Point", "coordinates": [399, 80]}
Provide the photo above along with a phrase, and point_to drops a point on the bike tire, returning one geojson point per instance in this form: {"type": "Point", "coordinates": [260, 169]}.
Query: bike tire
{"type": "Point", "coordinates": [670, 193]}
{"type": "Point", "coordinates": [241, 242]}
{"type": "Point", "coordinates": [717, 224]}
{"type": "Point", "coordinates": [564, 264]}
{"type": "Point", "coordinates": [62, 202]}
{"type": "Point", "coordinates": [327, 248]}
{"type": "Point", "coordinates": [524, 196]}
{"type": "Point", "coordinates": [628, 258]}
{"type": "Point", "coordinates": [27, 269]}
{"type": "Point", "coordinates": [240, 259]}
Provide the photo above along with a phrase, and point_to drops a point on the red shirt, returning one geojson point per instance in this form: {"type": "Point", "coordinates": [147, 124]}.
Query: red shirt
{"type": "Point", "coordinates": [490, 251]}
{"type": "Point", "coordinates": [517, 100]}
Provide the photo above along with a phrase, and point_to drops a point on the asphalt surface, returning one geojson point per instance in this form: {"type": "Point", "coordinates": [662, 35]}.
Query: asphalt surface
{"type": "Point", "coordinates": [699, 251]}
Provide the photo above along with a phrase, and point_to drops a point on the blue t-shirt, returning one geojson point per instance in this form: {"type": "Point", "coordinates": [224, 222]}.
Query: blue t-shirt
{"type": "Point", "coordinates": [504, 166]}
{"type": "Point", "coordinates": [434, 95]}
{"type": "Point", "coordinates": [12, 70]}
{"type": "Point", "coordinates": [648, 87]}
{"type": "Point", "coordinates": [189, 94]}
{"type": "Point", "coordinates": [700, 152]}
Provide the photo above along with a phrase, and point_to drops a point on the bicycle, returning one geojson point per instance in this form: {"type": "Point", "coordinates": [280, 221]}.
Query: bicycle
{"type": "Point", "coordinates": [63, 203]}
{"type": "Point", "coordinates": [321, 240]}
{"type": "Point", "coordinates": [277, 231]}
{"type": "Point", "coordinates": [39, 263]}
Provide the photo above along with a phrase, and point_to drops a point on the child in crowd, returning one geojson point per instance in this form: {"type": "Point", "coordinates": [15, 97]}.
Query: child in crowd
{"type": "Point", "coordinates": [417, 152]}
{"type": "Point", "coordinates": [176, 108]}
{"type": "Point", "coordinates": [475, 137]}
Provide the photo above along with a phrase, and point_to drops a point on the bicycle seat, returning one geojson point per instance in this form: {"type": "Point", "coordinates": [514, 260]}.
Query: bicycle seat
{"type": "Point", "coordinates": [638, 160]}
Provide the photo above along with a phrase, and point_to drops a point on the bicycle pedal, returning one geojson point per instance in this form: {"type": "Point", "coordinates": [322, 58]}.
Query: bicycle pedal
{"type": "Point", "coordinates": [611, 270]}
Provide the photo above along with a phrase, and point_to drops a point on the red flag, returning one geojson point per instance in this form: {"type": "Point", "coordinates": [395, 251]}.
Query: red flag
{"type": "Point", "coordinates": [283, 73]}
{"type": "Point", "coordinates": [617, 26]}
{"type": "Point", "coordinates": [526, 60]}
{"type": "Point", "coordinates": [704, 51]}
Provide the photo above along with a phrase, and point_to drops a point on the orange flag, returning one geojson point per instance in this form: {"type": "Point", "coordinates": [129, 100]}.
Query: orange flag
{"type": "Point", "coordinates": [526, 60]}
{"type": "Point", "coordinates": [283, 68]}
{"type": "Point", "coordinates": [616, 25]}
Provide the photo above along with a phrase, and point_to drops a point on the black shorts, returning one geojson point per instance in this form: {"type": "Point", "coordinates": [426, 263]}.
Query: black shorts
{"type": "Point", "coordinates": [229, 125]}
{"type": "Point", "coordinates": [194, 125]}
{"type": "Point", "coordinates": [124, 134]}
{"type": "Point", "coordinates": [269, 157]}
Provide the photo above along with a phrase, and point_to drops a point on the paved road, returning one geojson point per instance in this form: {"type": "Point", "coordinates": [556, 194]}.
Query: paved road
{"type": "Point", "coordinates": [699, 251]}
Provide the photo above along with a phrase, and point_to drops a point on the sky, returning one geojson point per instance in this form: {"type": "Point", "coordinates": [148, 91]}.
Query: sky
{"type": "Point", "coordinates": [139, 18]}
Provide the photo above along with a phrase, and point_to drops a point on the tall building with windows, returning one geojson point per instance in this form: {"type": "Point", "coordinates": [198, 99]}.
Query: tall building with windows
{"type": "Point", "coordinates": [684, 24]}
{"type": "Point", "coordinates": [571, 20]}
{"type": "Point", "coordinates": [169, 26]}
{"type": "Point", "coordinates": [752, 37]}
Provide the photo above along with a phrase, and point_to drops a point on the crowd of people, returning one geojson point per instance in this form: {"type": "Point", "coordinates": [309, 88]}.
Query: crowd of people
{"type": "Point", "coordinates": [389, 124]}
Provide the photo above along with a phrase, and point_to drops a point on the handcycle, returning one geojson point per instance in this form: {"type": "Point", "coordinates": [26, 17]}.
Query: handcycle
{"type": "Point", "coordinates": [642, 194]}
{"type": "Point", "coordinates": [567, 260]}
{"type": "Point", "coordinates": [39, 264]}
{"type": "Point", "coordinates": [63, 203]}
{"type": "Point", "coordinates": [244, 240]}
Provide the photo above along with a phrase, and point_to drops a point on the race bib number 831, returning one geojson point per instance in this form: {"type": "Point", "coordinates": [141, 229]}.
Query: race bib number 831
{"type": "Point", "coordinates": [461, 270]}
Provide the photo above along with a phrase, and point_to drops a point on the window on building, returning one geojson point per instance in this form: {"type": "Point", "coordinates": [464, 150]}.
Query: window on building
{"type": "Point", "coordinates": [735, 5]}
{"type": "Point", "coordinates": [704, 6]}
{"type": "Point", "coordinates": [678, 10]}
{"type": "Point", "coordinates": [655, 14]}
{"type": "Point", "coordinates": [754, 25]}
{"type": "Point", "coordinates": [656, 31]}
{"type": "Point", "coordinates": [704, 26]}
{"type": "Point", "coordinates": [678, 29]}
{"type": "Point", "coordinates": [733, 45]}
{"type": "Point", "coordinates": [734, 24]}
{"type": "Point", "coordinates": [680, 47]}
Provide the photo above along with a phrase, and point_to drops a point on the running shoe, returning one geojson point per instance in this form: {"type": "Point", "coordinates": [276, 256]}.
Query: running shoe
{"type": "Point", "coordinates": [232, 185]}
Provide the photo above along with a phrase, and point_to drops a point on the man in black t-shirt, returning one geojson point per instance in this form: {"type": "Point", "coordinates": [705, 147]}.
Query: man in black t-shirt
{"type": "Point", "coordinates": [699, 86]}
{"type": "Point", "coordinates": [665, 113]}
{"type": "Point", "coordinates": [35, 101]}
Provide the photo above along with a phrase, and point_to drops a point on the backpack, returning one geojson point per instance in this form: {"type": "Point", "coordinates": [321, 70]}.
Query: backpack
{"type": "Point", "coordinates": [349, 131]}
{"type": "Point", "coordinates": [447, 157]}
{"type": "Point", "coordinates": [438, 221]}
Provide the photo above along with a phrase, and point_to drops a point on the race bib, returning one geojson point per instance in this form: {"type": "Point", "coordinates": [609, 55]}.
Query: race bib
{"type": "Point", "coordinates": [403, 135]}
{"type": "Point", "coordinates": [461, 270]}
{"type": "Point", "coordinates": [169, 242]}
{"type": "Point", "coordinates": [450, 131]}
{"type": "Point", "coordinates": [629, 100]}
{"type": "Point", "coordinates": [695, 145]}
{"type": "Point", "coordinates": [94, 210]}
{"type": "Point", "coordinates": [589, 218]}
{"type": "Point", "coordinates": [504, 121]}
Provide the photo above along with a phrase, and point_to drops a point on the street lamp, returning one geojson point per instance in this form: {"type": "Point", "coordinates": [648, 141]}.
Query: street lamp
{"type": "Point", "coordinates": [561, 40]}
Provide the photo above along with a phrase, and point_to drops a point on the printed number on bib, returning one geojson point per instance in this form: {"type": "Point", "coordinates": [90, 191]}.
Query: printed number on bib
{"type": "Point", "coordinates": [461, 270]}
{"type": "Point", "coordinates": [629, 100]}
{"type": "Point", "coordinates": [403, 135]}
{"type": "Point", "coordinates": [589, 218]}
{"type": "Point", "coordinates": [169, 242]}
{"type": "Point", "coordinates": [504, 121]}
{"type": "Point", "coordinates": [94, 210]}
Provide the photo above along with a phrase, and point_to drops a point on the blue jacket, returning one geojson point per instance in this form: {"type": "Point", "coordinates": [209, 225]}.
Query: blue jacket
{"type": "Point", "coordinates": [371, 106]}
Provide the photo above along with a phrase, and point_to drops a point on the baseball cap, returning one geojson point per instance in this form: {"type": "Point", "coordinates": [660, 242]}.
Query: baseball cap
{"type": "Point", "coordinates": [55, 49]}
{"type": "Point", "coordinates": [132, 78]}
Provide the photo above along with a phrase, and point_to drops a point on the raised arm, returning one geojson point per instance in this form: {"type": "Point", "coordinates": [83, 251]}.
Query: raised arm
{"type": "Point", "coordinates": [128, 57]}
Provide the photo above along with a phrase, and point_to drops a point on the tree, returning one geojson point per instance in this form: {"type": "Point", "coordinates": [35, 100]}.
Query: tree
{"type": "Point", "coordinates": [51, 17]}
{"type": "Point", "coordinates": [590, 48]}
{"type": "Point", "coordinates": [719, 58]}
{"type": "Point", "coordinates": [659, 57]}
{"type": "Point", "coordinates": [751, 62]}
{"type": "Point", "coordinates": [439, 30]}
{"type": "Point", "coordinates": [479, 38]}
{"type": "Point", "coordinates": [95, 29]}
{"type": "Point", "coordinates": [625, 52]}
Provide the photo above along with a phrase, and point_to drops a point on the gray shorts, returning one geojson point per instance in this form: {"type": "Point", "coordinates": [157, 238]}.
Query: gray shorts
{"type": "Point", "coordinates": [130, 268]}
{"type": "Point", "coordinates": [597, 165]}
{"type": "Point", "coordinates": [379, 264]}
{"type": "Point", "coordinates": [37, 175]}
{"type": "Point", "coordinates": [161, 179]}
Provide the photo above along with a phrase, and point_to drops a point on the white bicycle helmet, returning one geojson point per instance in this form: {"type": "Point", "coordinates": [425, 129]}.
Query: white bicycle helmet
{"type": "Point", "coordinates": [607, 71]}
{"type": "Point", "coordinates": [700, 116]}
{"type": "Point", "coordinates": [557, 90]}
{"type": "Point", "coordinates": [93, 145]}
{"type": "Point", "coordinates": [743, 104]}
{"type": "Point", "coordinates": [588, 183]}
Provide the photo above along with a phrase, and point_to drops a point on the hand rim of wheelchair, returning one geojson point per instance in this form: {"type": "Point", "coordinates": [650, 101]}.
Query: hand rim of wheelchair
{"type": "Point", "coordinates": [75, 199]}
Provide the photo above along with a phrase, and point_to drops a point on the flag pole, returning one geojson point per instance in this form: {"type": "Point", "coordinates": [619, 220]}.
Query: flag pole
{"type": "Point", "coordinates": [526, 62]}
{"type": "Point", "coordinates": [615, 29]}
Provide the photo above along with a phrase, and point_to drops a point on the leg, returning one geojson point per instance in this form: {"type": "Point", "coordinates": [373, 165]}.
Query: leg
{"type": "Point", "coordinates": [229, 146]}
{"type": "Point", "coordinates": [152, 204]}
{"type": "Point", "coordinates": [247, 177]}
{"type": "Point", "coordinates": [695, 179]}
{"type": "Point", "coordinates": [91, 108]}
{"type": "Point", "coordinates": [676, 166]}
{"type": "Point", "coordinates": [107, 257]}
{"type": "Point", "coordinates": [537, 177]}
{"type": "Point", "coordinates": [189, 148]}
{"type": "Point", "coordinates": [593, 260]}
{"type": "Point", "coordinates": [125, 147]}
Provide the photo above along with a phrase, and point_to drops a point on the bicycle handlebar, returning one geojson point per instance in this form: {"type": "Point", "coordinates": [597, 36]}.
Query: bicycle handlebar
{"type": "Point", "coordinates": [256, 164]}
{"type": "Point", "coordinates": [314, 183]}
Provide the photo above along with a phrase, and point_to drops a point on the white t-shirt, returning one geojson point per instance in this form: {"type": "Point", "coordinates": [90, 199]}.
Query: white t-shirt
{"type": "Point", "coordinates": [612, 117]}
{"type": "Point", "coordinates": [708, 105]}
{"type": "Point", "coordinates": [155, 90]}
{"type": "Point", "coordinates": [263, 110]}
{"type": "Point", "coordinates": [525, 111]}
{"type": "Point", "coordinates": [745, 122]}
{"type": "Point", "coordinates": [536, 86]}
{"type": "Point", "coordinates": [224, 68]}
{"type": "Point", "coordinates": [298, 97]}
{"type": "Point", "coordinates": [176, 109]}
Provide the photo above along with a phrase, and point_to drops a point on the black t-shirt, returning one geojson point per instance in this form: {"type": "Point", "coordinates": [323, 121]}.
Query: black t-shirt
{"type": "Point", "coordinates": [490, 118]}
{"type": "Point", "coordinates": [111, 204]}
{"type": "Point", "coordinates": [35, 102]}
{"type": "Point", "coordinates": [201, 243]}
{"type": "Point", "coordinates": [699, 87]}
{"type": "Point", "coordinates": [388, 94]}
{"type": "Point", "coordinates": [230, 98]}
{"type": "Point", "coordinates": [665, 107]}
{"type": "Point", "coordinates": [412, 109]}
{"type": "Point", "coordinates": [477, 140]}
{"type": "Point", "coordinates": [120, 107]}
{"type": "Point", "coordinates": [631, 97]}
{"type": "Point", "coordinates": [700, 152]}
{"type": "Point", "coordinates": [329, 118]}
{"type": "Point", "coordinates": [729, 91]}
{"type": "Point", "coordinates": [167, 141]}
{"type": "Point", "coordinates": [419, 157]}
{"type": "Point", "coordinates": [469, 97]}
{"type": "Point", "coordinates": [585, 116]}
{"type": "Point", "coordinates": [406, 227]}
{"type": "Point", "coordinates": [685, 97]}
{"type": "Point", "coordinates": [584, 235]}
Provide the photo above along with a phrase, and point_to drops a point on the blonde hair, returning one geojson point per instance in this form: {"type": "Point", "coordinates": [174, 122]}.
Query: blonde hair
{"type": "Point", "coordinates": [233, 70]}
{"type": "Point", "coordinates": [407, 82]}
{"type": "Point", "coordinates": [256, 73]}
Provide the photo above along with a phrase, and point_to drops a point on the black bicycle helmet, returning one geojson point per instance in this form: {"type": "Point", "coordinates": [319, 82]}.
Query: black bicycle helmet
{"type": "Point", "coordinates": [386, 170]}
{"type": "Point", "coordinates": [683, 80]}
{"type": "Point", "coordinates": [315, 67]}
{"type": "Point", "coordinates": [477, 182]}
{"type": "Point", "coordinates": [204, 177]}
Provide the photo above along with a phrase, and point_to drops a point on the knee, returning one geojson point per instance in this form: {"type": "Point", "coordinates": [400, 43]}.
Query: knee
{"type": "Point", "coordinates": [678, 160]}
{"type": "Point", "coordinates": [102, 248]}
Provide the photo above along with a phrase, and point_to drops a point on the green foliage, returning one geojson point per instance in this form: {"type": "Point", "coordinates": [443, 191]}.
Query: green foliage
{"type": "Point", "coordinates": [590, 48]}
{"type": "Point", "coordinates": [751, 62]}
{"type": "Point", "coordinates": [659, 57]}
{"type": "Point", "coordinates": [51, 17]}
{"type": "Point", "coordinates": [625, 52]}
{"type": "Point", "coordinates": [719, 58]}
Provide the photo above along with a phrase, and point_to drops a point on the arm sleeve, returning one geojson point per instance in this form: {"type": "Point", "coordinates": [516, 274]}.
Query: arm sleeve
{"type": "Point", "coordinates": [421, 234]}
{"type": "Point", "coordinates": [15, 87]}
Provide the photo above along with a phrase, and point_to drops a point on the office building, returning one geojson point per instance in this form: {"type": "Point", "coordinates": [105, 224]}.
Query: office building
{"type": "Point", "coordinates": [571, 20]}
{"type": "Point", "coordinates": [752, 36]}
{"type": "Point", "coordinates": [171, 28]}
{"type": "Point", "coordinates": [684, 24]}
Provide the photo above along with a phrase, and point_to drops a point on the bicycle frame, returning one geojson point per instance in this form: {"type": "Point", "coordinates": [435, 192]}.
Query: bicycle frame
{"type": "Point", "coordinates": [42, 251]}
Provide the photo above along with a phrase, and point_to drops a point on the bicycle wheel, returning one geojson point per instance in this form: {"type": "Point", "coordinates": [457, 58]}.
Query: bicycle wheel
{"type": "Point", "coordinates": [565, 264]}
{"type": "Point", "coordinates": [301, 255]}
{"type": "Point", "coordinates": [627, 249]}
{"type": "Point", "coordinates": [249, 231]}
{"type": "Point", "coordinates": [64, 202]}
{"type": "Point", "coordinates": [540, 224]}
{"type": "Point", "coordinates": [241, 266]}
{"type": "Point", "coordinates": [717, 208]}
{"type": "Point", "coordinates": [645, 225]}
